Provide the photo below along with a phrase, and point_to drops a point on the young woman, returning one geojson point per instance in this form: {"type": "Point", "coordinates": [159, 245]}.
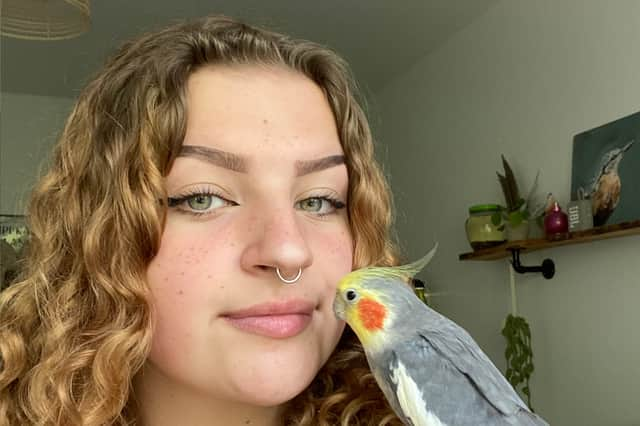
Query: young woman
{"type": "Point", "coordinates": [209, 189]}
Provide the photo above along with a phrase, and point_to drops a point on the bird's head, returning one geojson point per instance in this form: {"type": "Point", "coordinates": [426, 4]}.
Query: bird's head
{"type": "Point", "coordinates": [612, 159]}
{"type": "Point", "coordinates": [371, 299]}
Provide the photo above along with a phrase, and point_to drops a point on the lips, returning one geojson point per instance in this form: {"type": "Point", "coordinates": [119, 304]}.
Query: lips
{"type": "Point", "coordinates": [279, 320]}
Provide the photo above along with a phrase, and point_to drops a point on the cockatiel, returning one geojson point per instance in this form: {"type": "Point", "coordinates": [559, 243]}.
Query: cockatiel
{"type": "Point", "coordinates": [430, 370]}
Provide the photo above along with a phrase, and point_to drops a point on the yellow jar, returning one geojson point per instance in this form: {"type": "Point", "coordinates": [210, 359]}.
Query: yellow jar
{"type": "Point", "coordinates": [481, 231]}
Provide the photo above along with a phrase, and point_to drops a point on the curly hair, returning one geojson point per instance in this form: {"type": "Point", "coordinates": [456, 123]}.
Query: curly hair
{"type": "Point", "coordinates": [77, 324]}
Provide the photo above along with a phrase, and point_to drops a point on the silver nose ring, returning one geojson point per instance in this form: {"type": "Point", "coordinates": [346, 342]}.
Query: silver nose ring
{"type": "Point", "coordinates": [289, 281]}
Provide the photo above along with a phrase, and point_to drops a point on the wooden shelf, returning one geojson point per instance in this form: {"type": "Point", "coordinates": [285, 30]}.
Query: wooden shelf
{"type": "Point", "coordinates": [594, 234]}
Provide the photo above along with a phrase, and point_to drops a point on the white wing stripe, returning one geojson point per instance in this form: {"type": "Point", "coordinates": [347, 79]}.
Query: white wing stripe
{"type": "Point", "coordinates": [411, 400]}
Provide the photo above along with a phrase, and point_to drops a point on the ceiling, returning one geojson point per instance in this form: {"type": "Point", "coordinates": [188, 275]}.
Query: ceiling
{"type": "Point", "coordinates": [380, 38]}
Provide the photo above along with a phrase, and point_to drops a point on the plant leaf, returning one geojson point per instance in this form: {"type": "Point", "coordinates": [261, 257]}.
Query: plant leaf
{"type": "Point", "coordinates": [511, 194]}
{"type": "Point", "coordinates": [531, 194]}
{"type": "Point", "coordinates": [496, 218]}
{"type": "Point", "coordinates": [515, 218]}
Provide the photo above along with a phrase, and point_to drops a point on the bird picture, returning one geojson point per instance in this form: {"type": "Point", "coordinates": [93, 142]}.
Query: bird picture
{"type": "Point", "coordinates": [605, 168]}
{"type": "Point", "coordinates": [605, 190]}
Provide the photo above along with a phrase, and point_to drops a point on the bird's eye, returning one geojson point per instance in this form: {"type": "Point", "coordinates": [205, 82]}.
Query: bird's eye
{"type": "Point", "coordinates": [351, 295]}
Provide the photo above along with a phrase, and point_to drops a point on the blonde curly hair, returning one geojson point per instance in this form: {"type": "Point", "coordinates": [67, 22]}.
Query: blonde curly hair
{"type": "Point", "coordinates": [77, 325]}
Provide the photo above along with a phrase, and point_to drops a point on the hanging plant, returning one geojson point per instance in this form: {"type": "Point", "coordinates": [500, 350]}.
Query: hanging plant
{"type": "Point", "coordinates": [518, 354]}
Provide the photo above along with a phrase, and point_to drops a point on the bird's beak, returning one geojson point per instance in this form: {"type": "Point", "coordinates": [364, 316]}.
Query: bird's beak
{"type": "Point", "coordinates": [339, 307]}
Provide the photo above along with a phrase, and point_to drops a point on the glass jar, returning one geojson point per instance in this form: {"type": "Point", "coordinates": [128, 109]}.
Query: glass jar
{"type": "Point", "coordinates": [481, 232]}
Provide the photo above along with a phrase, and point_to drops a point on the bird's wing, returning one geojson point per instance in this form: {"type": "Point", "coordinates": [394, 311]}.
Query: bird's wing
{"type": "Point", "coordinates": [426, 389]}
{"type": "Point", "coordinates": [402, 375]}
{"type": "Point", "coordinates": [454, 344]}
{"type": "Point", "coordinates": [411, 398]}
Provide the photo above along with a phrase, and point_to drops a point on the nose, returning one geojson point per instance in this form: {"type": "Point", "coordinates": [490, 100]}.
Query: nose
{"type": "Point", "coordinates": [276, 239]}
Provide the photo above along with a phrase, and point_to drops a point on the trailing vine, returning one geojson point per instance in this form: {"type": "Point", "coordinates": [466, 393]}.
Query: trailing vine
{"type": "Point", "coordinates": [518, 354]}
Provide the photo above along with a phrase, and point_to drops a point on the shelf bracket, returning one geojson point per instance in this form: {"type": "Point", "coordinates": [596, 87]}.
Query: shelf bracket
{"type": "Point", "coordinates": [548, 268]}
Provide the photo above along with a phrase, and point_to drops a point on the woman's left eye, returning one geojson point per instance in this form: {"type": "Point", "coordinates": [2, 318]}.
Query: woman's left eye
{"type": "Point", "coordinates": [199, 203]}
{"type": "Point", "coordinates": [320, 206]}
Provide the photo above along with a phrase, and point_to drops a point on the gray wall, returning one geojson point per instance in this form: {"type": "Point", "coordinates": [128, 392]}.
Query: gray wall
{"type": "Point", "coordinates": [29, 126]}
{"type": "Point", "coordinates": [522, 80]}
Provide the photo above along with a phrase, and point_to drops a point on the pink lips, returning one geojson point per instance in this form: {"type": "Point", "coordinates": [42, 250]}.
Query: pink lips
{"type": "Point", "coordinates": [277, 320]}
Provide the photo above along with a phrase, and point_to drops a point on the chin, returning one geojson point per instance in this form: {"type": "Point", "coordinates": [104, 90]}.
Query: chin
{"type": "Point", "coordinates": [276, 389]}
{"type": "Point", "coordinates": [278, 375]}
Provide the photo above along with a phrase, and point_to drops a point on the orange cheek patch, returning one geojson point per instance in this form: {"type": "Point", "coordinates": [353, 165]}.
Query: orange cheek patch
{"type": "Point", "coordinates": [371, 314]}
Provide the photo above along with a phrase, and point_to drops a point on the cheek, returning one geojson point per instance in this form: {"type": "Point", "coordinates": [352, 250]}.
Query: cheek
{"type": "Point", "coordinates": [178, 268]}
{"type": "Point", "coordinates": [184, 277]}
{"type": "Point", "coordinates": [337, 254]}
{"type": "Point", "coordinates": [188, 256]}
{"type": "Point", "coordinates": [342, 247]}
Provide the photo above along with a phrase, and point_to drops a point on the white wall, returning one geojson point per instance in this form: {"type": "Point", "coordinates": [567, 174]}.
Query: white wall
{"type": "Point", "coordinates": [29, 125]}
{"type": "Point", "coordinates": [523, 80]}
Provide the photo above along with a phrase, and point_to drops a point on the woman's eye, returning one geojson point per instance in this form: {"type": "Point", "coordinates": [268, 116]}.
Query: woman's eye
{"type": "Point", "coordinates": [320, 205]}
{"type": "Point", "coordinates": [200, 203]}
{"type": "Point", "coordinates": [312, 204]}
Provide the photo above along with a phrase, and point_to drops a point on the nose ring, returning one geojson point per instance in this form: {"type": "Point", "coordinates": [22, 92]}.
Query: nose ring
{"type": "Point", "coordinates": [289, 281]}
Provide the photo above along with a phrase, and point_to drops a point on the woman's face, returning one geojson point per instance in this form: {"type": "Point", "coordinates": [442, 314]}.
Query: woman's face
{"type": "Point", "coordinates": [260, 183]}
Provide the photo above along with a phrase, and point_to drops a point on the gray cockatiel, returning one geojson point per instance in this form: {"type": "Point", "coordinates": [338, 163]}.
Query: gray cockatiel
{"type": "Point", "coordinates": [431, 371]}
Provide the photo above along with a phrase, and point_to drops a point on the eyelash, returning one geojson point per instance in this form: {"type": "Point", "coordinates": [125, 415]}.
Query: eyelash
{"type": "Point", "coordinates": [335, 203]}
{"type": "Point", "coordinates": [179, 200]}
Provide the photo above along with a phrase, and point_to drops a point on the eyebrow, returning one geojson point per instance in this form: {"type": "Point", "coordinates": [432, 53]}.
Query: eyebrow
{"type": "Point", "coordinates": [238, 163]}
{"type": "Point", "coordinates": [230, 161]}
{"type": "Point", "coordinates": [312, 166]}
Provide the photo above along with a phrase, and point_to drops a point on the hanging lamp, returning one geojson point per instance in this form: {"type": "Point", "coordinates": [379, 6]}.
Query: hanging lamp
{"type": "Point", "coordinates": [44, 19]}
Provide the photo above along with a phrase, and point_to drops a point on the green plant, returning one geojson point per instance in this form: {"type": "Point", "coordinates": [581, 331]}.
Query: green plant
{"type": "Point", "coordinates": [517, 208]}
{"type": "Point", "coordinates": [518, 354]}
{"type": "Point", "coordinates": [16, 237]}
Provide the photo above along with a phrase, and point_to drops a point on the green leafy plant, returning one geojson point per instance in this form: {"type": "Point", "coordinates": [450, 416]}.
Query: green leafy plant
{"type": "Point", "coordinates": [518, 354]}
{"type": "Point", "coordinates": [16, 237]}
{"type": "Point", "coordinates": [517, 208]}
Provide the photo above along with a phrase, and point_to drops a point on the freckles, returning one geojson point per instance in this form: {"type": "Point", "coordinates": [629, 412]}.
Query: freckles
{"type": "Point", "coordinates": [267, 132]}
{"type": "Point", "coordinates": [187, 259]}
{"type": "Point", "coordinates": [193, 255]}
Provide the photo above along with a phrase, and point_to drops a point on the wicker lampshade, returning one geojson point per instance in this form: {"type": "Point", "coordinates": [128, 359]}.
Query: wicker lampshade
{"type": "Point", "coordinates": [44, 19]}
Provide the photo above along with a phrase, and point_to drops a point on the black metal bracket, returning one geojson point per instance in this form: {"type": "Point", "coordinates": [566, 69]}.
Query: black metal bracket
{"type": "Point", "coordinates": [548, 268]}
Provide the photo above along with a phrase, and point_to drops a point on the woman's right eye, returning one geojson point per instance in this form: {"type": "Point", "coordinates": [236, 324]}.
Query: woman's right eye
{"type": "Point", "coordinates": [199, 203]}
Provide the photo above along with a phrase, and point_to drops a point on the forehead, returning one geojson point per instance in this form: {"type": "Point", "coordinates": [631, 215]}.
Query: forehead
{"type": "Point", "coordinates": [251, 109]}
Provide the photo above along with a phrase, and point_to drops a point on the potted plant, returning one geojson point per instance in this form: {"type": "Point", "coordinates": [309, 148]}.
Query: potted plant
{"type": "Point", "coordinates": [514, 216]}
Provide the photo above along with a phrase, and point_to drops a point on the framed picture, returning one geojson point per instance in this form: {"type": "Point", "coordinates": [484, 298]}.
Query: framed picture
{"type": "Point", "coordinates": [13, 235]}
{"type": "Point", "coordinates": [606, 170]}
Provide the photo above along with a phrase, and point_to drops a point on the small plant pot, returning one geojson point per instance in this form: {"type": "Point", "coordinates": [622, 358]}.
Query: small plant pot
{"type": "Point", "coordinates": [518, 232]}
